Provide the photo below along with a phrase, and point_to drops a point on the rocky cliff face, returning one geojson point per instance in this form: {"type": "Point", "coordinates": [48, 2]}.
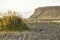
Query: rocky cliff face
{"type": "Point", "coordinates": [52, 12]}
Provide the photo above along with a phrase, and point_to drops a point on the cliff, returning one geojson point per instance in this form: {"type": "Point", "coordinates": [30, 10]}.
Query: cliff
{"type": "Point", "coordinates": [49, 12]}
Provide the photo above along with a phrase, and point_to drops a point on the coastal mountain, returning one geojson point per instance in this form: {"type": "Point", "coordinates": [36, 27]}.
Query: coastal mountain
{"type": "Point", "coordinates": [49, 12]}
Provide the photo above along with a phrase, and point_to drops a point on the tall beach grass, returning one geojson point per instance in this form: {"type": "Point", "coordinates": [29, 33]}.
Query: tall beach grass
{"type": "Point", "coordinates": [12, 22]}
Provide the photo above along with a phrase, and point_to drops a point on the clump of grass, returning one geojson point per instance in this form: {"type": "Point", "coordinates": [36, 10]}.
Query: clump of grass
{"type": "Point", "coordinates": [11, 22]}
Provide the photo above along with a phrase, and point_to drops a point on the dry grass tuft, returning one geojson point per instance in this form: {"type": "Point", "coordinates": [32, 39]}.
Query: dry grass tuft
{"type": "Point", "coordinates": [12, 22]}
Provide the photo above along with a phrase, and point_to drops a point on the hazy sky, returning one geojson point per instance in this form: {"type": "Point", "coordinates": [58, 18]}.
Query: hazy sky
{"type": "Point", "coordinates": [26, 6]}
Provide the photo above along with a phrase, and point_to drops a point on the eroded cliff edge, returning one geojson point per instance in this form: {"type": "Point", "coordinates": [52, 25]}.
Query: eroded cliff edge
{"type": "Point", "coordinates": [49, 12]}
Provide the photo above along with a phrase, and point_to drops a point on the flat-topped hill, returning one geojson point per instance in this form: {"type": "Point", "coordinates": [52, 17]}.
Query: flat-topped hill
{"type": "Point", "coordinates": [49, 12]}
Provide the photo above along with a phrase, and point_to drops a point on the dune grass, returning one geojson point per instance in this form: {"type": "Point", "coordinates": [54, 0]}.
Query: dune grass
{"type": "Point", "coordinates": [12, 23]}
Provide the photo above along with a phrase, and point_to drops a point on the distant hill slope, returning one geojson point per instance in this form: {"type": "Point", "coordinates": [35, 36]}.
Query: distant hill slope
{"type": "Point", "coordinates": [49, 12]}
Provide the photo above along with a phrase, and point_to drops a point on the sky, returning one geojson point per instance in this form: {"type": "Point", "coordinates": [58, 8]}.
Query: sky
{"type": "Point", "coordinates": [26, 7]}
